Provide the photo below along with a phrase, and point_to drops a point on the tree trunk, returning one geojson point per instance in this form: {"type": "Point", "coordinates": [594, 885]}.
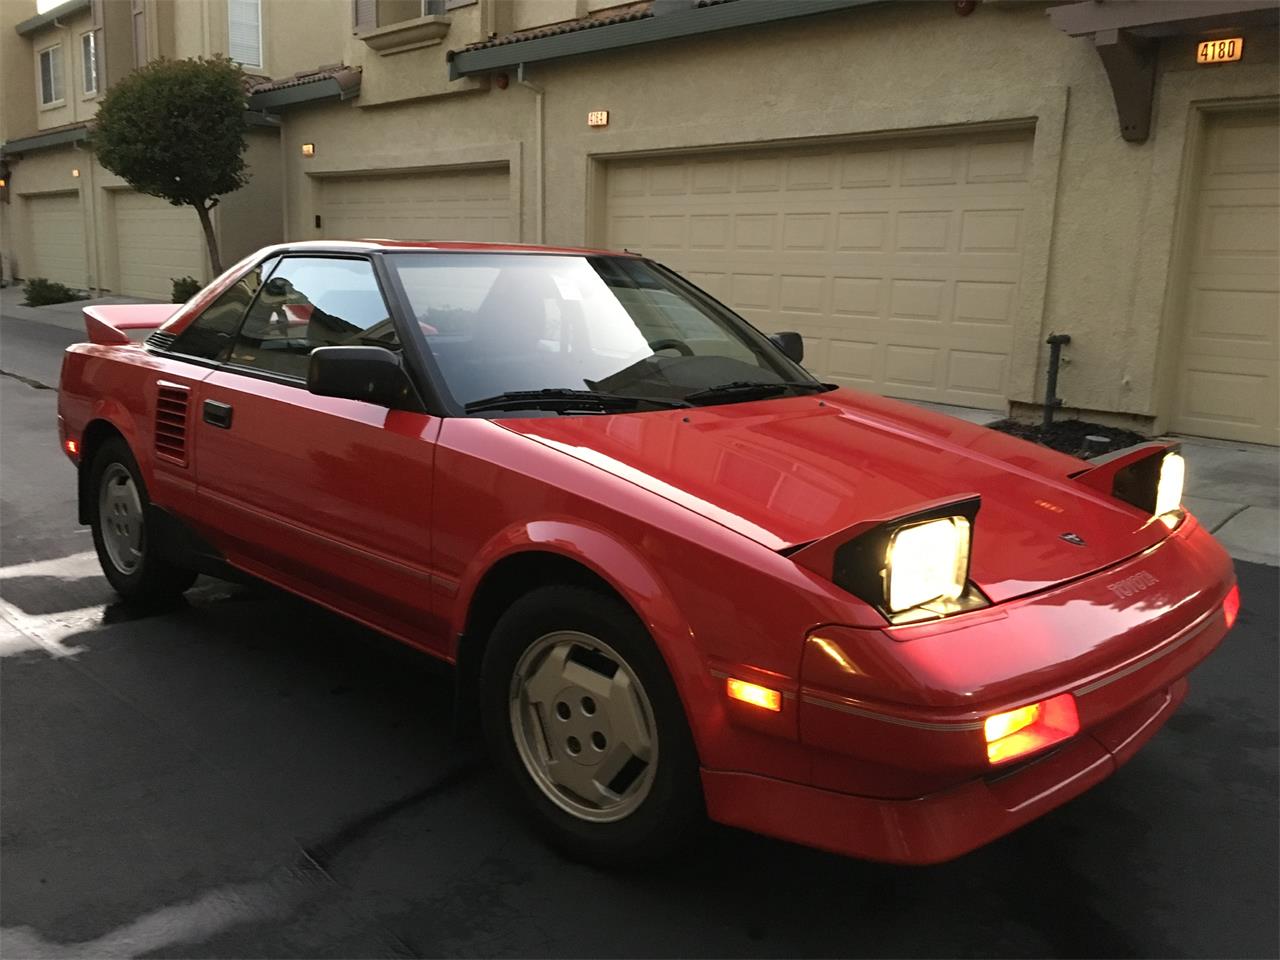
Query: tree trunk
{"type": "Point", "coordinates": [210, 238]}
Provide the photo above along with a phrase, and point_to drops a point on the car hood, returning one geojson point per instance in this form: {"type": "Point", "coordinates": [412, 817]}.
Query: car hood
{"type": "Point", "coordinates": [786, 472]}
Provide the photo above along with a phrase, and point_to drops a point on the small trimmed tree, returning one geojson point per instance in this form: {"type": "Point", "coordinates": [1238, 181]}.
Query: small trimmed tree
{"type": "Point", "coordinates": [175, 129]}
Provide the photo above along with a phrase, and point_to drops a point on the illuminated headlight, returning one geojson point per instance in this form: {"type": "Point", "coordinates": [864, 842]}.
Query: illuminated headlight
{"type": "Point", "coordinates": [1173, 471]}
{"type": "Point", "coordinates": [927, 562]}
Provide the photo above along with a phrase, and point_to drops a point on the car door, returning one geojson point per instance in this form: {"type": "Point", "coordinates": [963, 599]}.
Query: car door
{"type": "Point", "coordinates": [328, 497]}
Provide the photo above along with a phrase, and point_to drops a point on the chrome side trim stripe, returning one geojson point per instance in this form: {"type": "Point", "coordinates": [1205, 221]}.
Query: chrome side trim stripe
{"type": "Point", "coordinates": [900, 721]}
{"type": "Point", "coordinates": [1191, 632]}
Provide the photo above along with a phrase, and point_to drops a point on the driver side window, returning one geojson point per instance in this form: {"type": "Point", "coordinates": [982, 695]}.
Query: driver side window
{"type": "Point", "coordinates": [311, 302]}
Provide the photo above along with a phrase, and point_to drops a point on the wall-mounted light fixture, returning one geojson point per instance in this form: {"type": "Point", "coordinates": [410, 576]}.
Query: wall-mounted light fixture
{"type": "Point", "coordinates": [75, 171]}
{"type": "Point", "coordinates": [308, 149]}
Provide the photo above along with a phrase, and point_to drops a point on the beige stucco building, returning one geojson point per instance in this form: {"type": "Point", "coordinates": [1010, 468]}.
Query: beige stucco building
{"type": "Point", "coordinates": [925, 190]}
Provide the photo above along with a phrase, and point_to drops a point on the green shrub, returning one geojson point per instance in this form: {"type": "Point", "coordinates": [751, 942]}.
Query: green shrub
{"type": "Point", "coordinates": [39, 292]}
{"type": "Point", "coordinates": [184, 288]}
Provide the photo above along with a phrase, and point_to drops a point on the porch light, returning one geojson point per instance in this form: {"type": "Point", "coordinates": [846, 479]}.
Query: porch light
{"type": "Point", "coordinates": [308, 149]}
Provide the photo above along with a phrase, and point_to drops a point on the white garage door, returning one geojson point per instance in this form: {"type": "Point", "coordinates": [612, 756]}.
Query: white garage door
{"type": "Point", "coordinates": [898, 260]}
{"type": "Point", "coordinates": [1229, 365]}
{"type": "Point", "coordinates": [155, 242]}
{"type": "Point", "coordinates": [470, 204]}
{"type": "Point", "coordinates": [56, 230]}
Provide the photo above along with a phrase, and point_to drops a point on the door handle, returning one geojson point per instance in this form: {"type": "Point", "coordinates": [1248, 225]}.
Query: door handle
{"type": "Point", "coordinates": [218, 414]}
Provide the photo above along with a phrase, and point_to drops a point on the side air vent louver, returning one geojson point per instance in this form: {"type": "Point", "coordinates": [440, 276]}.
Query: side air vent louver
{"type": "Point", "coordinates": [161, 340]}
{"type": "Point", "coordinates": [172, 403]}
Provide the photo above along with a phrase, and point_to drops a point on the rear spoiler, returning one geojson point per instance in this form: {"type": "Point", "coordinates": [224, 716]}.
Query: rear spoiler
{"type": "Point", "coordinates": [107, 323]}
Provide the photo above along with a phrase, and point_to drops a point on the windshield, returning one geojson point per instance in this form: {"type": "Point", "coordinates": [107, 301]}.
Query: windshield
{"type": "Point", "coordinates": [584, 333]}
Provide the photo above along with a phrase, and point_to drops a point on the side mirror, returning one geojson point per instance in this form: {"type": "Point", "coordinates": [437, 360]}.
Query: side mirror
{"type": "Point", "coordinates": [790, 343]}
{"type": "Point", "coordinates": [370, 374]}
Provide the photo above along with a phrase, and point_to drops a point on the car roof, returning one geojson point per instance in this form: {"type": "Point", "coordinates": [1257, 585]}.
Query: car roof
{"type": "Point", "coordinates": [365, 244]}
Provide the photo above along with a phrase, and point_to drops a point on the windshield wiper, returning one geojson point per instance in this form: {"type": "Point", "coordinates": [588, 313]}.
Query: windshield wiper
{"type": "Point", "coordinates": [559, 399]}
{"type": "Point", "coordinates": [748, 390]}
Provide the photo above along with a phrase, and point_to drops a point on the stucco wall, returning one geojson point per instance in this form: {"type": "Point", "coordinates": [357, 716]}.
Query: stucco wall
{"type": "Point", "coordinates": [252, 217]}
{"type": "Point", "coordinates": [1103, 220]}
{"type": "Point", "coordinates": [18, 101]}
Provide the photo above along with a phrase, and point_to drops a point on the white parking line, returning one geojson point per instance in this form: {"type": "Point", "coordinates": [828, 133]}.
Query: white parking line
{"type": "Point", "coordinates": [21, 632]}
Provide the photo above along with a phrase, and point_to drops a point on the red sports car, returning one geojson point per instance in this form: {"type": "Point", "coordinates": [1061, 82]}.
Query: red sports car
{"type": "Point", "coordinates": [677, 575]}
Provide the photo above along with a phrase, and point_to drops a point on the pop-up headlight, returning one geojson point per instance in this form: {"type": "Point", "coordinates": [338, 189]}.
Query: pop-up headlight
{"type": "Point", "coordinates": [1148, 476]}
{"type": "Point", "coordinates": [926, 562]}
{"type": "Point", "coordinates": [915, 567]}
{"type": "Point", "coordinates": [1173, 472]}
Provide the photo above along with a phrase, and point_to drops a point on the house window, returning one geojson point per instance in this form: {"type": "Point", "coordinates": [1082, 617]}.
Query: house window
{"type": "Point", "coordinates": [244, 31]}
{"type": "Point", "coordinates": [51, 76]}
{"type": "Point", "coordinates": [89, 62]}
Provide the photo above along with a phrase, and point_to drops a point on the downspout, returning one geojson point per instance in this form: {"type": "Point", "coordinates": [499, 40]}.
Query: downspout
{"type": "Point", "coordinates": [92, 248]}
{"type": "Point", "coordinates": [539, 183]}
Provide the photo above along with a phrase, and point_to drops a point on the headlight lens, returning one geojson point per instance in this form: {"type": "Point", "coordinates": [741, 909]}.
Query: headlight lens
{"type": "Point", "coordinates": [926, 562]}
{"type": "Point", "coordinates": [1173, 471]}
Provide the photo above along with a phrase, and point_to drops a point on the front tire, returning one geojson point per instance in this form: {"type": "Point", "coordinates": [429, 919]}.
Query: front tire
{"type": "Point", "coordinates": [131, 559]}
{"type": "Point", "coordinates": [587, 728]}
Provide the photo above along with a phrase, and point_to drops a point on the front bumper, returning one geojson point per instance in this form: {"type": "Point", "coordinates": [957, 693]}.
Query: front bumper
{"type": "Point", "coordinates": [890, 720]}
{"type": "Point", "coordinates": [944, 825]}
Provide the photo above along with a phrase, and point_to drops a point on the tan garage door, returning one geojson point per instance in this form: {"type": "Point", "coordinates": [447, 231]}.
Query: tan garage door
{"type": "Point", "coordinates": [155, 242]}
{"type": "Point", "coordinates": [56, 231]}
{"type": "Point", "coordinates": [472, 204]}
{"type": "Point", "coordinates": [898, 260]}
{"type": "Point", "coordinates": [1229, 364]}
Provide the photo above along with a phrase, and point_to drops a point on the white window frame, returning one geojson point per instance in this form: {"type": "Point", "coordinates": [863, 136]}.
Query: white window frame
{"type": "Point", "coordinates": [53, 77]}
{"type": "Point", "coordinates": [88, 93]}
{"type": "Point", "coordinates": [260, 65]}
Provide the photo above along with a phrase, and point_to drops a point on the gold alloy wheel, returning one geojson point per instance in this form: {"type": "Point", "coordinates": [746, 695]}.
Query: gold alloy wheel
{"type": "Point", "coordinates": [120, 518]}
{"type": "Point", "coordinates": [583, 726]}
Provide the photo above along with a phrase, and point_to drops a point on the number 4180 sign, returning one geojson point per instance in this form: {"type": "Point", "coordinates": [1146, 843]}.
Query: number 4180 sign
{"type": "Point", "coordinates": [1220, 51]}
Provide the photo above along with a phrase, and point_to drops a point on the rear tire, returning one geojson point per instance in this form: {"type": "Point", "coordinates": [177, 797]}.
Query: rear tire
{"type": "Point", "coordinates": [131, 560]}
{"type": "Point", "coordinates": [587, 729]}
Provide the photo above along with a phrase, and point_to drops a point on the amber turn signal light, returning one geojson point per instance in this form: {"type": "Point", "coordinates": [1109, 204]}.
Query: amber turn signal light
{"type": "Point", "coordinates": [754, 694]}
{"type": "Point", "coordinates": [1018, 732]}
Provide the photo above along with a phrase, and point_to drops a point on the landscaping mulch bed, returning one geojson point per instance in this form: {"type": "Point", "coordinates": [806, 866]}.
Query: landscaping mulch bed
{"type": "Point", "coordinates": [1070, 436]}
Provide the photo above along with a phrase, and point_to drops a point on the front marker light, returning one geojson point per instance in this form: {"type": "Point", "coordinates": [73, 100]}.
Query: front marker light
{"type": "Point", "coordinates": [753, 694]}
{"type": "Point", "coordinates": [926, 562]}
{"type": "Point", "coordinates": [1173, 472]}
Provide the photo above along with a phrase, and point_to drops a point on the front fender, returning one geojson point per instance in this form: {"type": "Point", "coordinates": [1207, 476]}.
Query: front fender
{"type": "Point", "coordinates": [612, 560]}
{"type": "Point", "coordinates": [616, 563]}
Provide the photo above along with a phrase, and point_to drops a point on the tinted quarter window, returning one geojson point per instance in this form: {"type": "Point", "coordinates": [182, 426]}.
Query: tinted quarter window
{"type": "Point", "coordinates": [209, 336]}
{"type": "Point", "coordinates": [311, 302]}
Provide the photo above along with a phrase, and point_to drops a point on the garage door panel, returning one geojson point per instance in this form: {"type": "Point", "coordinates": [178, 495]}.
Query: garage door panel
{"type": "Point", "coordinates": [155, 242]}
{"type": "Point", "coordinates": [448, 205]}
{"type": "Point", "coordinates": [900, 262]}
{"type": "Point", "coordinates": [1229, 356]}
{"type": "Point", "coordinates": [56, 229]}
